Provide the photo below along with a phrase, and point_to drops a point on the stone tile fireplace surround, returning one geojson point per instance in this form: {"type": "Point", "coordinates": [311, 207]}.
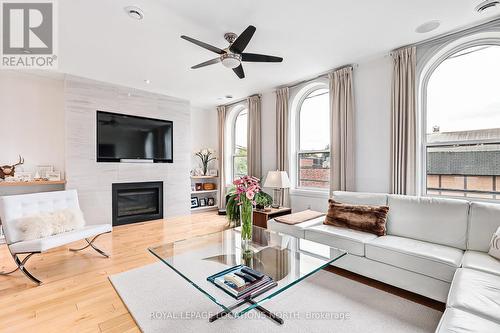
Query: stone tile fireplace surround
{"type": "Point", "coordinates": [82, 97]}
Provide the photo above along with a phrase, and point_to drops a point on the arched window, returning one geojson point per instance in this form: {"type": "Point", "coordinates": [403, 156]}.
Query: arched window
{"type": "Point", "coordinates": [461, 123]}
{"type": "Point", "coordinates": [312, 139]}
{"type": "Point", "coordinates": [239, 146]}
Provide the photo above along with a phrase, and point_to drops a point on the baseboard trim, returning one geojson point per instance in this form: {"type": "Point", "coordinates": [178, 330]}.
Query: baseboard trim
{"type": "Point", "coordinates": [433, 304]}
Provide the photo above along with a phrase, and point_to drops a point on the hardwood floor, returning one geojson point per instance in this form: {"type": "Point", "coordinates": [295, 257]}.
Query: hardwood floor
{"type": "Point", "coordinates": [77, 296]}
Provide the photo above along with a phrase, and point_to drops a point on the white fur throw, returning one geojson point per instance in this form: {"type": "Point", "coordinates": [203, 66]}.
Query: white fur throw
{"type": "Point", "coordinates": [51, 223]}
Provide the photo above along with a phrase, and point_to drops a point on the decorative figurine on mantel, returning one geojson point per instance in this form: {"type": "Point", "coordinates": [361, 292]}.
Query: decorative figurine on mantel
{"type": "Point", "coordinates": [9, 170]}
{"type": "Point", "coordinates": [206, 155]}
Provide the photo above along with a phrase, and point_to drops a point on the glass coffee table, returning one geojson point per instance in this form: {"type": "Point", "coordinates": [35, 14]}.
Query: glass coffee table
{"type": "Point", "coordinates": [286, 259]}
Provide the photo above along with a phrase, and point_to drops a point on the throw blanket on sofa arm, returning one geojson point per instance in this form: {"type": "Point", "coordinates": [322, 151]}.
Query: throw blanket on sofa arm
{"type": "Point", "coordinates": [299, 217]}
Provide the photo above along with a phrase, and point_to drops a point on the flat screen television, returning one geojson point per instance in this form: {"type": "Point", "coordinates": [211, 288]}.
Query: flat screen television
{"type": "Point", "coordinates": [122, 138]}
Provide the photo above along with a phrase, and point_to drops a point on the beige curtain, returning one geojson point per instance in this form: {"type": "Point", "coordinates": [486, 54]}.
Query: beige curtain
{"type": "Point", "coordinates": [254, 158]}
{"type": "Point", "coordinates": [282, 143]}
{"type": "Point", "coordinates": [403, 136]}
{"type": "Point", "coordinates": [221, 124]}
{"type": "Point", "coordinates": [342, 130]}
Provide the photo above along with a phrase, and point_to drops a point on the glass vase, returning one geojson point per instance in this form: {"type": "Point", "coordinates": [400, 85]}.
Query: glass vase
{"type": "Point", "coordinates": [246, 221]}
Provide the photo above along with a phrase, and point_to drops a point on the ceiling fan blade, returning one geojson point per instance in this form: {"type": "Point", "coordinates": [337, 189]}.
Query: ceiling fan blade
{"type": "Point", "coordinates": [253, 57]}
{"type": "Point", "coordinates": [204, 45]}
{"type": "Point", "coordinates": [206, 63]}
{"type": "Point", "coordinates": [239, 71]}
{"type": "Point", "coordinates": [242, 41]}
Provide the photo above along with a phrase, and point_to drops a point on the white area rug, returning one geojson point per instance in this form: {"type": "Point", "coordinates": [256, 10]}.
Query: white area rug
{"type": "Point", "coordinates": [161, 301]}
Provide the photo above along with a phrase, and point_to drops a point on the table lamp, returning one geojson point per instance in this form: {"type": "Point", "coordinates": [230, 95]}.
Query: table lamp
{"type": "Point", "coordinates": [277, 180]}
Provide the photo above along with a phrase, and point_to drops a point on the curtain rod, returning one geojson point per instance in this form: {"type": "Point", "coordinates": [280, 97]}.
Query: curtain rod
{"type": "Point", "coordinates": [449, 33]}
{"type": "Point", "coordinates": [325, 74]}
{"type": "Point", "coordinates": [239, 100]}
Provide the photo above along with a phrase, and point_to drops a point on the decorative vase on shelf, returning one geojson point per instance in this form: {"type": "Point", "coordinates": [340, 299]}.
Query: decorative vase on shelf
{"type": "Point", "coordinates": [206, 156]}
{"type": "Point", "coordinates": [246, 221]}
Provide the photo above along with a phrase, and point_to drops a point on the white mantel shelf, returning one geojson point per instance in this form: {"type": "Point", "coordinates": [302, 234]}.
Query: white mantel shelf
{"type": "Point", "coordinates": [34, 183]}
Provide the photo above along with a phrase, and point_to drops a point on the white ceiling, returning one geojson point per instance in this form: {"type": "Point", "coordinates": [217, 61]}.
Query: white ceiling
{"type": "Point", "coordinates": [99, 41]}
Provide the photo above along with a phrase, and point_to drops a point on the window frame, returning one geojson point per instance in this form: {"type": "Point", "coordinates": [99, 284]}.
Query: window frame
{"type": "Point", "coordinates": [300, 98]}
{"type": "Point", "coordinates": [430, 63]}
{"type": "Point", "coordinates": [234, 114]}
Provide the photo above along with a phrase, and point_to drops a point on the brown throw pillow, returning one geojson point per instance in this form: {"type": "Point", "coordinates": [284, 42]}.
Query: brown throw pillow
{"type": "Point", "coordinates": [358, 217]}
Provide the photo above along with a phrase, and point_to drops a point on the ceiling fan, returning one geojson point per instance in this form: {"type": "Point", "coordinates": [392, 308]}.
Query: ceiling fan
{"type": "Point", "coordinates": [232, 56]}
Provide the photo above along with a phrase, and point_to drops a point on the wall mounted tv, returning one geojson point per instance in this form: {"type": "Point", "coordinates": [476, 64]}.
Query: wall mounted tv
{"type": "Point", "coordinates": [124, 138]}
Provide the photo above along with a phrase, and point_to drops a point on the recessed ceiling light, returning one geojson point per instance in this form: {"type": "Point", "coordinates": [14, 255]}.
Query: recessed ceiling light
{"type": "Point", "coordinates": [147, 81]}
{"type": "Point", "coordinates": [485, 5]}
{"type": "Point", "coordinates": [428, 27]}
{"type": "Point", "coordinates": [134, 12]}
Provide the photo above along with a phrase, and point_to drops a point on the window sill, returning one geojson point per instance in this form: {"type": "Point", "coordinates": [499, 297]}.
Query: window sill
{"type": "Point", "coordinates": [310, 193]}
{"type": "Point", "coordinates": [471, 199]}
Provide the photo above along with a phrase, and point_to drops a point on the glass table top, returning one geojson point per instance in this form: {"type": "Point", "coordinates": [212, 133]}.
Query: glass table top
{"type": "Point", "coordinates": [286, 259]}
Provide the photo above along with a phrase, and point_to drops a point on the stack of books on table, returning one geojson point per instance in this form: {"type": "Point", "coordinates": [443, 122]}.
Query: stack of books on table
{"type": "Point", "coordinates": [242, 282]}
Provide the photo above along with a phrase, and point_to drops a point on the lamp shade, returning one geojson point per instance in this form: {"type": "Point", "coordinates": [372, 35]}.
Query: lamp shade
{"type": "Point", "coordinates": [277, 179]}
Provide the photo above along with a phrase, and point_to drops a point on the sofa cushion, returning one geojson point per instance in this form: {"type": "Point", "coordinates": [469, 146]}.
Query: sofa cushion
{"type": "Point", "coordinates": [476, 292]}
{"type": "Point", "coordinates": [481, 261]}
{"type": "Point", "coordinates": [364, 218]}
{"type": "Point", "coordinates": [44, 244]}
{"type": "Point", "coordinates": [296, 230]}
{"type": "Point", "coordinates": [360, 198]}
{"type": "Point", "coordinates": [495, 245]}
{"type": "Point", "coordinates": [484, 220]}
{"type": "Point", "coordinates": [458, 321]}
{"type": "Point", "coordinates": [434, 260]}
{"type": "Point", "coordinates": [346, 239]}
{"type": "Point", "coordinates": [435, 220]}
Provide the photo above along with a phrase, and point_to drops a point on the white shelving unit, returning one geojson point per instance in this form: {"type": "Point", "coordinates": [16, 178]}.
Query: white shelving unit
{"type": "Point", "coordinates": [201, 209]}
{"type": "Point", "coordinates": [201, 192]}
{"type": "Point", "coordinates": [205, 193]}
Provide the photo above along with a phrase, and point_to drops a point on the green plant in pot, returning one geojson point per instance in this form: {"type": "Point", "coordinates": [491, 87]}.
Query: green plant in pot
{"type": "Point", "coordinates": [262, 200]}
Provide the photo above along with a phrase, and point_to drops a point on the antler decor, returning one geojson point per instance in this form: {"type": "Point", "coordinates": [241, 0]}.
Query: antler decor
{"type": "Point", "coordinates": [9, 170]}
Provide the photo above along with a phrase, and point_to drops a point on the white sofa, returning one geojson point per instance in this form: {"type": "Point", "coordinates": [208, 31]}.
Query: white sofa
{"type": "Point", "coordinates": [17, 206]}
{"type": "Point", "coordinates": [435, 247]}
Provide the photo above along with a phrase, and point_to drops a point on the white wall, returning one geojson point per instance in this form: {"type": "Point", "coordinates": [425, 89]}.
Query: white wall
{"type": "Point", "coordinates": [32, 120]}
{"type": "Point", "coordinates": [268, 129]}
{"type": "Point", "coordinates": [372, 90]}
{"type": "Point", "coordinates": [51, 120]}
{"type": "Point", "coordinates": [203, 133]}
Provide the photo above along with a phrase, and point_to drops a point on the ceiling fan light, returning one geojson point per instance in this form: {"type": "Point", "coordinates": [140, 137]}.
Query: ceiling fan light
{"type": "Point", "coordinates": [231, 60]}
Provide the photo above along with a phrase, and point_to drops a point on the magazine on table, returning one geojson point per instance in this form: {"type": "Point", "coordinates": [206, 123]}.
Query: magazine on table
{"type": "Point", "coordinates": [242, 282]}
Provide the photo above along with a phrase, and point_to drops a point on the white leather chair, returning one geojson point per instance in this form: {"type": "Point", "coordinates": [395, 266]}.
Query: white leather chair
{"type": "Point", "coordinates": [17, 206]}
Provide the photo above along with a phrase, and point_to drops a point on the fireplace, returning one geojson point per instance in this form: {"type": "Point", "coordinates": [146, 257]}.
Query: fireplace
{"type": "Point", "coordinates": [137, 202]}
